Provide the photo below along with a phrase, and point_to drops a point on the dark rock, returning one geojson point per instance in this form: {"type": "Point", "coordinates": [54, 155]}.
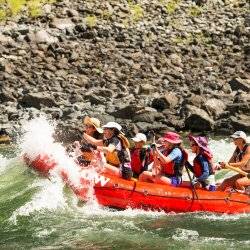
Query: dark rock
{"type": "Point", "coordinates": [126, 112]}
{"type": "Point", "coordinates": [238, 83]}
{"type": "Point", "coordinates": [235, 108]}
{"type": "Point", "coordinates": [94, 99]}
{"type": "Point", "coordinates": [6, 95]}
{"type": "Point", "coordinates": [241, 122]}
{"type": "Point", "coordinates": [37, 100]}
{"type": "Point", "coordinates": [197, 119]}
{"type": "Point", "coordinates": [148, 117]}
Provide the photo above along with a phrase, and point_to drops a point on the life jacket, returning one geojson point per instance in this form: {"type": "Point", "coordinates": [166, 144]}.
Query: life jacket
{"type": "Point", "coordinates": [87, 156]}
{"type": "Point", "coordinates": [140, 158]}
{"type": "Point", "coordinates": [116, 157]}
{"type": "Point", "coordinates": [197, 167]}
{"type": "Point", "coordinates": [86, 153]}
{"type": "Point", "coordinates": [174, 169]}
{"type": "Point", "coordinates": [238, 154]}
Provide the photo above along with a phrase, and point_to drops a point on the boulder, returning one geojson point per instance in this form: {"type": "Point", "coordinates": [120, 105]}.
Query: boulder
{"type": "Point", "coordinates": [41, 36]}
{"type": "Point", "coordinates": [169, 100]}
{"type": "Point", "coordinates": [6, 95]}
{"type": "Point", "coordinates": [146, 89]}
{"type": "Point", "coordinates": [37, 100]}
{"type": "Point", "coordinates": [198, 119]}
{"type": "Point", "coordinates": [241, 108]}
{"type": "Point", "coordinates": [240, 84]}
{"type": "Point", "coordinates": [214, 107]}
{"type": "Point", "coordinates": [241, 122]}
{"type": "Point", "coordinates": [62, 24]}
{"type": "Point", "coordinates": [126, 112]}
{"type": "Point", "coordinates": [148, 117]}
{"type": "Point", "coordinates": [195, 100]}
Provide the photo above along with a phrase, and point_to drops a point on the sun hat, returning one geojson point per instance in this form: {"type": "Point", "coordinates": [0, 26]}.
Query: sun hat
{"type": "Point", "coordinates": [139, 137]}
{"type": "Point", "coordinates": [94, 122]}
{"type": "Point", "coordinates": [239, 134]}
{"type": "Point", "coordinates": [171, 137]}
{"type": "Point", "coordinates": [113, 125]}
{"type": "Point", "coordinates": [201, 141]}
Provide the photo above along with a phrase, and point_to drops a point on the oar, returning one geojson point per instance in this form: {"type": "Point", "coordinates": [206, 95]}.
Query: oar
{"type": "Point", "coordinates": [192, 185]}
{"type": "Point", "coordinates": [240, 171]}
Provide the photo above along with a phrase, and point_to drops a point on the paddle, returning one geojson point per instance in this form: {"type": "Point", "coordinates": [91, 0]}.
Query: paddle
{"type": "Point", "coordinates": [192, 185]}
{"type": "Point", "coordinates": [240, 171]}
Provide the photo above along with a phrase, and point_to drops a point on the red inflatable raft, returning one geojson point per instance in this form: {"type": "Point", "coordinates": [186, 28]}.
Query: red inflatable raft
{"type": "Point", "coordinates": [115, 192]}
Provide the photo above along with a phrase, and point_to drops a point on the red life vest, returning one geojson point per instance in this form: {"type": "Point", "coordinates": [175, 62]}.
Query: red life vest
{"type": "Point", "coordinates": [139, 159]}
{"type": "Point", "coordinates": [197, 167]}
{"type": "Point", "coordinates": [173, 168]}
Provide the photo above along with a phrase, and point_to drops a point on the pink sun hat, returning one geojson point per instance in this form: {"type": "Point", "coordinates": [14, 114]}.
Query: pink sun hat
{"type": "Point", "coordinates": [171, 137]}
{"type": "Point", "coordinates": [201, 141]}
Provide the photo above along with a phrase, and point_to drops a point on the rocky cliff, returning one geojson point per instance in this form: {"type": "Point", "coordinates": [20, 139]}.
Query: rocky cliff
{"type": "Point", "coordinates": [169, 64]}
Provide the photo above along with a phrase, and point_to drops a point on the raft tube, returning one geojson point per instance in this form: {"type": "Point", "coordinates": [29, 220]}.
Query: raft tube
{"type": "Point", "coordinates": [115, 192]}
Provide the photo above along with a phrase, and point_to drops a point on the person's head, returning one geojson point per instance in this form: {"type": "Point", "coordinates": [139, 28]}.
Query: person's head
{"type": "Point", "coordinates": [198, 144]}
{"type": "Point", "coordinates": [239, 138]}
{"type": "Point", "coordinates": [92, 125]}
{"type": "Point", "coordinates": [139, 140]}
{"type": "Point", "coordinates": [170, 140]}
{"type": "Point", "coordinates": [111, 129]}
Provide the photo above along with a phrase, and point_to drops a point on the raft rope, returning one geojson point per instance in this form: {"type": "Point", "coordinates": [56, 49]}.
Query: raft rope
{"type": "Point", "coordinates": [226, 199]}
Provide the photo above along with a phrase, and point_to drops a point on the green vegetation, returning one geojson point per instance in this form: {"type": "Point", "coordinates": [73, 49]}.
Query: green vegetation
{"type": "Point", "coordinates": [171, 5]}
{"type": "Point", "coordinates": [9, 8]}
{"type": "Point", "coordinates": [106, 15]}
{"type": "Point", "coordinates": [198, 38]}
{"type": "Point", "coordinates": [136, 11]}
{"type": "Point", "coordinates": [195, 11]}
{"type": "Point", "coordinates": [91, 21]}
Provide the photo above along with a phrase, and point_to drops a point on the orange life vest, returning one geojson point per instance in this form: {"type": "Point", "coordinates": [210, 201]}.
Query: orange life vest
{"type": "Point", "coordinates": [173, 168]}
{"type": "Point", "coordinates": [116, 157]}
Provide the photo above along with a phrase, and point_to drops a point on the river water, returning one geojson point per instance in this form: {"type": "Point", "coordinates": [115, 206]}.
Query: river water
{"type": "Point", "coordinates": [37, 213]}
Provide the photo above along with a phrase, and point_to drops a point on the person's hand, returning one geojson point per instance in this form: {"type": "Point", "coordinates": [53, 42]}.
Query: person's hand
{"type": "Point", "coordinates": [194, 181]}
{"type": "Point", "coordinates": [222, 164]}
{"type": "Point", "coordinates": [76, 144]}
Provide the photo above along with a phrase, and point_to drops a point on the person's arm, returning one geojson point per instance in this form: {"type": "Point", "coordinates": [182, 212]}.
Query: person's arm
{"type": "Point", "coordinates": [205, 169]}
{"type": "Point", "coordinates": [110, 148]}
{"type": "Point", "coordinates": [92, 140]}
{"type": "Point", "coordinates": [164, 159]}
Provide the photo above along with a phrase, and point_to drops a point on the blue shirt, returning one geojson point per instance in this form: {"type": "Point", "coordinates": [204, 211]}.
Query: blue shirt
{"type": "Point", "coordinates": [176, 155]}
{"type": "Point", "coordinates": [204, 166]}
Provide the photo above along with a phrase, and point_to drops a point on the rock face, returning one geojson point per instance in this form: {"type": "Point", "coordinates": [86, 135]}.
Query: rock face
{"type": "Point", "coordinates": [151, 64]}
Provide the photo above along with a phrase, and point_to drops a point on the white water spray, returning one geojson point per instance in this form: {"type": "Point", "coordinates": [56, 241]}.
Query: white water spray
{"type": "Point", "coordinates": [38, 140]}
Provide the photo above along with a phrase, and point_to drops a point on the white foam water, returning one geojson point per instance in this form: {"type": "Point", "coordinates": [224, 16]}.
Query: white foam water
{"type": "Point", "coordinates": [38, 140]}
{"type": "Point", "coordinates": [49, 197]}
{"type": "Point", "coordinates": [3, 164]}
